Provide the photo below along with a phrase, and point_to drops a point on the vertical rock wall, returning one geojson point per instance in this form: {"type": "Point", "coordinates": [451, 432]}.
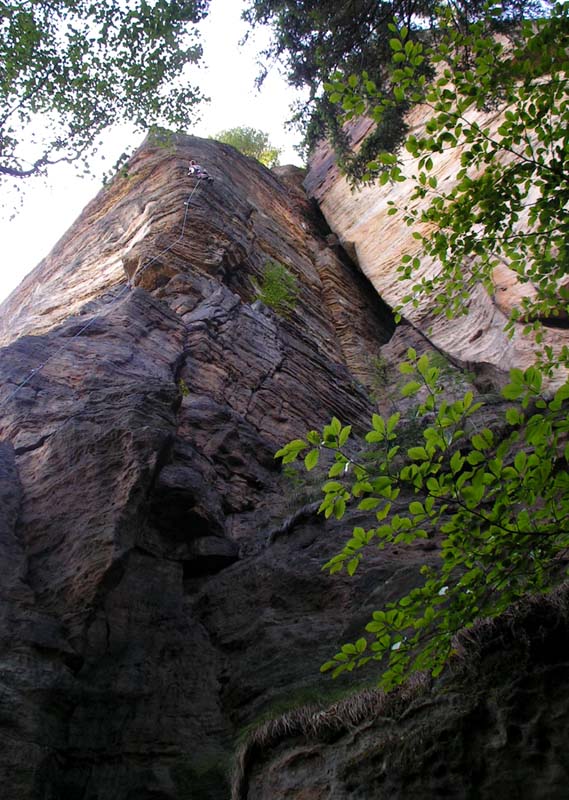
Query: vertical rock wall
{"type": "Point", "coordinates": [160, 577]}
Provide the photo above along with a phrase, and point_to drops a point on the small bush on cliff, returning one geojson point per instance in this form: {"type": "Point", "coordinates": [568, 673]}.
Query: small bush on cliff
{"type": "Point", "coordinates": [251, 142]}
{"type": "Point", "coordinates": [278, 288]}
{"type": "Point", "coordinates": [499, 505]}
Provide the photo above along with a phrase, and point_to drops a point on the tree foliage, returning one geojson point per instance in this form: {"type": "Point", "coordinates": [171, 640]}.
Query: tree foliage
{"type": "Point", "coordinates": [70, 69]}
{"type": "Point", "coordinates": [508, 203]}
{"type": "Point", "coordinates": [313, 38]}
{"type": "Point", "coordinates": [497, 503]}
{"type": "Point", "coordinates": [251, 142]}
{"type": "Point", "coordinates": [500, 506]}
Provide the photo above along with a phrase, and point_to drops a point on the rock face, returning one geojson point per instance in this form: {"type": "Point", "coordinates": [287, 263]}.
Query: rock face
{"type": "Point", "coordinates": [160, 576]}
{"type": "Point", "coordinates": [494, 727]}
{"type": "Point", "coordinates": [378, 241]}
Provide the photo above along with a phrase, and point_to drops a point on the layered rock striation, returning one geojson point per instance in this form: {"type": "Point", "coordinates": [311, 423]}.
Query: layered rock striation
{"type": "Point", "coordinates": [377, 240]}
{"type": "Point", "coordinates": [161, 590]}
{"type": "Point", "coordinates": [161, 582]}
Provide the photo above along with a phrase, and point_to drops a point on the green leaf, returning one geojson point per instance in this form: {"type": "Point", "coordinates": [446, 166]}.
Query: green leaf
{"type": "Point", "coordinates": [512, 391]}
{"type": "Point", "coordinates": [311, 459]}
{"type": "Point", "coordinates": [417, 453]}
{"type": "Point", "coordinates": [313, 437]}
{"type": "Point", "coordinates": [369, 503]}
{"type": "Point", "coordinates": [378, 423]}
{"type": "Point", "coordinates": [393, 421]}
{"type": "Point", "coordinates": [339, 507]}
{"type": "Point", "coordinates": [423, 363]}
{"type": "Point", "coordinates": [291, 451]}
{"type": "Point", "coordinates": [335, 426]}
{"type": "Point", "coordinates": [514, 416]}
{"type": "Point", "coordinates": [410, 388]}
{"type": "Point", "coordinates": [482, 441]}
{"type": "Point", "coordinates": [353, 565]}
{"type": "Point", "coordinates": [562, 393]}
{"type": "Point", "coordinates": [344, 434]}
{"type": "Point", "coordinates": [337, 468]}
{"type": "Point", "coordinates": [456, 462]}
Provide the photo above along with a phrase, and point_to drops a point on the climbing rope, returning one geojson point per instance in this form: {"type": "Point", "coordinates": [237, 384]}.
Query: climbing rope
{"type": "Point", "coordinates": [167, 249]}
{"type": "Point", "coordinates": [125, 289]}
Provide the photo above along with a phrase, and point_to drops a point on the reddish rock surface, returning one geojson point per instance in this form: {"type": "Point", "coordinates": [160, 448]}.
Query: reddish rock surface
{"type": "Point", "coordinates": [155, 599]}
{"type": "Point", "coordinates": [378, 240]}
{"type": "Point", "coordinates": [160, 575]}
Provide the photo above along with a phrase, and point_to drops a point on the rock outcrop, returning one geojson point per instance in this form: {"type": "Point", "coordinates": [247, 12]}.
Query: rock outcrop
{"type": "Point", "coordinates": [161, 589]}
{"type": "Point", "coordinates": [160, 576]}
{"type": "Point", "coordinates": [494, 726]}
{"type": "Point", "coordinates": [377, 240]}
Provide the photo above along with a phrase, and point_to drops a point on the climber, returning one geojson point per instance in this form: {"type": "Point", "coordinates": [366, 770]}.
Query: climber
{"type": "Point", "coordinates": [199, 172]}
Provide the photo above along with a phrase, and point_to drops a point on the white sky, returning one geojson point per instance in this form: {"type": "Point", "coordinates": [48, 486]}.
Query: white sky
{"type": "Point", "coordinates": [227, 77]}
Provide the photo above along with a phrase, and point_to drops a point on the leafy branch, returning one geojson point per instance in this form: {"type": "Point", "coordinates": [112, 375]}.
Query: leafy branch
{"type": "Point", "coordinates": [69, 70]}
{"type": "Point", "coordinates": [508, 201]}
{"type": "Point", "coordinates": [468, 489]}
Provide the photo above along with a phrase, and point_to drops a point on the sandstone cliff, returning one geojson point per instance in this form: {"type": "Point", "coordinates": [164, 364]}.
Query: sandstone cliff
{"type": "Point", "coordinates": [160, 581]}
{"type": "Point", "coordinates": [377, 240]}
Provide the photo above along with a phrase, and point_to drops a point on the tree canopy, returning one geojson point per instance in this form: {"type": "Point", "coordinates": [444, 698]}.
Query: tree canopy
{"type": "Point", "coordinates": [508, 204]}
{"type": "Point", "coordinates": [251, 142]}
{"type": "Point", "coordinates": [497, 501]}
{"type": "Point", "coordinates": [313, 38]}
{"type": "Point", "coordinates": [70, 69]}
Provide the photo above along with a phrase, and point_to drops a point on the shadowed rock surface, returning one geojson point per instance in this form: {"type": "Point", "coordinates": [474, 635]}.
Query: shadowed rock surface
{"type": "Point", "coordinates": [160, 575]}
{"type": "Point", "coordinates": [494, 726]}
{"type": "Point", "coordinates": [147, 613]}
